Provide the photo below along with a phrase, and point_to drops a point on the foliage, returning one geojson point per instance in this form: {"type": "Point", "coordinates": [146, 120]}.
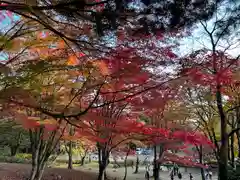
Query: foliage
{"type": "Point", "coordinates": [13, 135]}
{"type": "Point", "coordinates": [19, 158]}
{"type": "Point", "coordinates": [176, 14]}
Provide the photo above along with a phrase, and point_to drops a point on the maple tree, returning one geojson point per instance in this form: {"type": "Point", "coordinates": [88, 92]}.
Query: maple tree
{"type": "Point", "coordinates": [215, 74]}
{"type": "Point", "coordinates": [167, 130]}
{"type": "Point", "coordinates": [62, 86]}
{"type": "Point", "coordinates": [100, 94]}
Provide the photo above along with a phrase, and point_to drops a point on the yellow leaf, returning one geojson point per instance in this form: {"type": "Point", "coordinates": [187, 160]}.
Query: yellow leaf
{"type": "Point", "coordinates": [49, 121]}
{"type": "Point", "coordinates": [77, 85]}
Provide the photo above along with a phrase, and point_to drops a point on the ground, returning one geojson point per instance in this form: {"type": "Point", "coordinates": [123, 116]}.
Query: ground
{"type": "Point", "coordinates": [20, 172]}
{"type": "Point", "coordinates": [140, 176]}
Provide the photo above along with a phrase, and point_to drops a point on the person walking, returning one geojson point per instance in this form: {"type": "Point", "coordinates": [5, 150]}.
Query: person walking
{"type": "Point", "coordinates": [210, 175]}
{"type": "Point", "coordinates": [147, 175]}
{"type": "Point", "coordinates": [172, 175]}
{"type": "Point", "coordinates": [179, 175]}
{"type": "Point", "coordinates": [190, 176]}
{"type": "Point", "coordinates": [175, 169]}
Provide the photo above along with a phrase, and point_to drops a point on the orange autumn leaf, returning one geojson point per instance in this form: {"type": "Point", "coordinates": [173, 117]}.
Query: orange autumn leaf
{"type": "Point", "coordinates": [61, 44]}
{"type": "Point", "coordinates": [102, 66]}
{"type": "Point", "coordinates": [72, 60]}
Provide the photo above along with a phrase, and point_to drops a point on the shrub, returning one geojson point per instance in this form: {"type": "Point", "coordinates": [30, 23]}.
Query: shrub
{"type": "Point", "coordinates": [16, 159]}
{"type": "Point", "coordinates": [23, 156]}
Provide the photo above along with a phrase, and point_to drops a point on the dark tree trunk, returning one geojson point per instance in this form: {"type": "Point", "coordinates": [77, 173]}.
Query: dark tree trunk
{"type": "Point", "coordinates": [156, 165]}
{"type": "Point", "coordinates": [101, 172]}
{"type": "Point", "coordinates": [83, 160]}
{"type": "Point", "coordinates": [137, 165]}
{"type": "Point", "coordinates": [14, 147]}
{"type": "Point", "coordinates": [70, 149]}
{"type": "Point", "coordinates": [14, 150]}
{"type": "Point", "coordinates": [200, 152]}
{"type": "Point", "coordinates": [232, 151]}
{"type": "Point", "coordinates": [125, 165]}
{"type": "Point", "coordinates": [103, 158]}
{"type": "Point", "coordinates": [223, 156]}
{"type": "Point", "coordinates": [238, 139]}
{"type": "Point", "coordinates": [70, 161]}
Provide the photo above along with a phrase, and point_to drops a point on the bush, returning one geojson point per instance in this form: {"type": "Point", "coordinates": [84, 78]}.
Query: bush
{"type": "Point", "coordinates": [16, 159]}
{"type": "Point", "coordinates": [24, 156]}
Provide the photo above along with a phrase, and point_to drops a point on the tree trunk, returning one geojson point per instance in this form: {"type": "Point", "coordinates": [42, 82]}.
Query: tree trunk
{"type": "Point", "coordinates": [229, 150]}
{"type": "Point", "coordinates": [70, 147]}
{"type": "Point", "coordinates": [89, 158]}
{"type": "Point", "coordinates": [38, 166]}
{"type": "Point", "coordinates": [156, 166]}
{"type": "Point", "coordinates": [14, 150]}
{"type": "Point", "coordinates": [137, 165]}
{"type": "Point", "coordinates": [41, 150]}
{"type": "Point", "coordinates": [103, 158]}
{"type": "Point", "coordinates": [14, 147]}
{"type": "Point", "coordinates": [83, 160]}
{"type": "Point", "coordinates": [223, 160]}
{"type": "Point", "coordinates": [238, 137]}
{"type": "Point", "coordinates": [70, 161]}
{"type": "Point", "coordinates": [101, 172]}
{"type": "Point", "coordinates": [232, 151]}
{"type": "Point", "coordinates": [201, 160]}
{"type": "Point", "coordinates": [125, 165]}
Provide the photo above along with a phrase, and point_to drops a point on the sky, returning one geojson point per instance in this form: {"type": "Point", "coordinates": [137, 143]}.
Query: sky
{"type": "Point", "coordinates": [199, 38]}
{"type": "Point", "coordinates": [5, 23]}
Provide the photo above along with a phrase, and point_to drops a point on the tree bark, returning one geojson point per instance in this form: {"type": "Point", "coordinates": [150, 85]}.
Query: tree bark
{"type": "Point", "coordinates": [14, 150]}
{"type": "Point", "coordinates": [223, 161]}
{"type": "Point", "coordinates": [38, 164]}
{"type": "Point", "coordinates": [200, 152]}
{"type": "Point", "coordinates": [238, 139]}
{"type": "Point", "coordinates": [103, 158]}
{"type": "Point", "coordinates": [41, 150]}
{"type": "Point", "coordinates": [70, 161]}
{"type": "Point", "coordinates": [83, 160]}
{"type": "Point", "coordinates": [137, 165]}
{"type": "Point", "coordinates": [70, 149]}
{"type": "Point", "coordinates": [232, 151]}
{"type": "Point", "coordinates": [125, 165]}
{"type": "Point", "coordinates": [156, 166]}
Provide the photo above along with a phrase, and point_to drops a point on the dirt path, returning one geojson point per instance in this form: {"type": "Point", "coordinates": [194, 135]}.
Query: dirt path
{"type": "Point", "coordinates": [11, 171]}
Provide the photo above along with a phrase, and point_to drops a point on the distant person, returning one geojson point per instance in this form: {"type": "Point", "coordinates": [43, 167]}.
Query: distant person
{"type": "Point", "coordinates": [147, 175]}
{"type": "Point", "coordinates": [175, 169]}
{"type": "Point", "coordinates": [172, 175]}
{"type": "Point", "coordinates": [190, 176]}
{"type": "Point", "coordinates": [210, 175]}
{"type": "Point", "coordinates": [179, 175]}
